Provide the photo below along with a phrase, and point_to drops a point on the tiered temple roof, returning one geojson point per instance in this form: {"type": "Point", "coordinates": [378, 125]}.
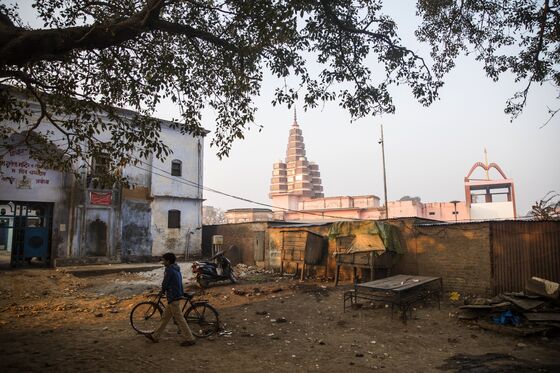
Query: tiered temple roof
{"type": "Point", "coordinates": [296, 175]}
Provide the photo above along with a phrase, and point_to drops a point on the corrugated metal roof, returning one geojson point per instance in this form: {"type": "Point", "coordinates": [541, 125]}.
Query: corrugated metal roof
{"type": "Point", "coordinates": [518, 220]}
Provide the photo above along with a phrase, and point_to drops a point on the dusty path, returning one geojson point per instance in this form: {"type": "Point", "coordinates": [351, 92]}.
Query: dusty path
{"type": "Point", "coordinates": [52, 321]}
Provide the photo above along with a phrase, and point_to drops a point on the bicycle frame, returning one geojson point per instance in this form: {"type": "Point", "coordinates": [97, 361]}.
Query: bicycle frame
{"type": "Point", "coordinates": [157, 298]}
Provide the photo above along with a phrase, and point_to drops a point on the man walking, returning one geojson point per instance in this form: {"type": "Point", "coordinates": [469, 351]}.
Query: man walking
{"type": "Point", "coordinates": [173, 287]}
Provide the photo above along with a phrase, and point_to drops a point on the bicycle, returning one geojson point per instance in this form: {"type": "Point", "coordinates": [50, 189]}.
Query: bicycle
{"type": "Point", "coordinates": [202, 318]}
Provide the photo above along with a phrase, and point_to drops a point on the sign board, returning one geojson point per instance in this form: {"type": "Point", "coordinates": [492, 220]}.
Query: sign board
{"type": "Point", "coordinates": [101, 198]}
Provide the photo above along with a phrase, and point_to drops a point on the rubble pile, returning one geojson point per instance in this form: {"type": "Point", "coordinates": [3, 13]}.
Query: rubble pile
{"type": "Point", "coordinates": [535, 310]}
{"type": "Point", "coordinates": [244, 271]}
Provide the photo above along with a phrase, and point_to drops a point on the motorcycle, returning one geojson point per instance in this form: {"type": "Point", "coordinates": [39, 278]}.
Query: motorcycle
{"type": "Point", "coordinates": [217, 268]}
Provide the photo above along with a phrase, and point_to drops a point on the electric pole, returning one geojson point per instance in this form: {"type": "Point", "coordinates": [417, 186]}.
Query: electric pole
{"type": "Point", "coordinates": [382, 142]}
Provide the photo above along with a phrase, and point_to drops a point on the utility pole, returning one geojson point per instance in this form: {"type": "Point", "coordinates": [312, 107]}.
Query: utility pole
{"type": "Point", "coordinates": [382, 142]}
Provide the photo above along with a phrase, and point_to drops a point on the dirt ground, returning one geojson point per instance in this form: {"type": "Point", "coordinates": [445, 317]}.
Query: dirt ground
{"type": "Point", "coordinates": [53, 321]}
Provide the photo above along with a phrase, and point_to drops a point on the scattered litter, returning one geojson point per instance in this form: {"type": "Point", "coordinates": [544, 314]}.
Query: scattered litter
{"type": "Point", "coordinates": [506, 318]}
{"type": "Point", "coordinates": [454, 296]}
{"type": "Point", "coordinates": [244, 271]}
{"type": "Point", "coordinates": [517, 313]}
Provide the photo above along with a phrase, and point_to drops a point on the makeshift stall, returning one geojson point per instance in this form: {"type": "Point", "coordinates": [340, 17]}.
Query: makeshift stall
{"type": "Point", "coordinates": [366, 245]}
{"type": "Point", "coordinates": [302, 247]}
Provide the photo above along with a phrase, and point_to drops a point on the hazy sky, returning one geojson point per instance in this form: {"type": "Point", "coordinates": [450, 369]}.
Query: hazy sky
{"type": "Point", "coordinates": [428, 151]}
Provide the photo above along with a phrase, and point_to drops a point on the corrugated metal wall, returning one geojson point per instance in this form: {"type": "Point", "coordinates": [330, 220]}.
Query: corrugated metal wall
{"type": "Point", "coordinates": [521, 250]}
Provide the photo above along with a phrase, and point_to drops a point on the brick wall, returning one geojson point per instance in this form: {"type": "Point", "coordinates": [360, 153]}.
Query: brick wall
{"type": "Point", "coordinates": [458, 253]}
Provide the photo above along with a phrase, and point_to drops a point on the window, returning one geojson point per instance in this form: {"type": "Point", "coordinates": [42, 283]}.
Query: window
{"type": "Point", "coordinates": [100, 165]}
{"type": "Point", "coordinates": [431, 213]}
{"type": "Point", "coordinates": [176, 167]}
{"type": "Point", "coordinates": [174, 219]}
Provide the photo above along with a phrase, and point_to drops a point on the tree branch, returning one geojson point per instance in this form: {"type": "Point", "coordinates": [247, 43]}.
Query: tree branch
{"type": "Point", "coordinates": [19, 46]}
{"type": "Point", "coordinates": [352, 30]}
{"type": "Point", "coordinates": [176, 28]}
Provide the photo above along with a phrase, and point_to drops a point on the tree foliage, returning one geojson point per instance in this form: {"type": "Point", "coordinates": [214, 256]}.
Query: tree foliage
{"type": "Point", "coordinates": [93, 56]}
{"type": "Point", "coordinates": [518, 37]}
{"type": "Point", "coordinates": [548, 208]}
{"type": "Point", "coordinates": [212, 215]}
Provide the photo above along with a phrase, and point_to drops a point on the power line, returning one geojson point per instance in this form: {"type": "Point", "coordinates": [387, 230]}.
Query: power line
{"type": "Point", "coordinates": [184, 181]}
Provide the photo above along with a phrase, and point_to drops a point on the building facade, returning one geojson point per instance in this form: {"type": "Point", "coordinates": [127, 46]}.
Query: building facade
{"type": "Point", "coordinates": [297, 194]}
{"type": "Point", "coordinates": [53, 215]}
{"type": "Point", "coordinates": [244, 215]}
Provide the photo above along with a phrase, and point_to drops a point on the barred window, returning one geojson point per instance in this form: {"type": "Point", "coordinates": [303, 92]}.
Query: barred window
{"type": "Point", "coordinates": [176, 166]}
{"type": "Point", "coordinates": [174, 219]}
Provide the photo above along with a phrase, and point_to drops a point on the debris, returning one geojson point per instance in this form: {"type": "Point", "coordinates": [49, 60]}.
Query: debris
{"type": "Point", "coordinates": [238, 292]}
{"type": "Point", "coordinates": [280, 320]}
{"type": "Point", "coordinates": [262, 313]}
{"type": "Point", "coordinates": [454, 296]}
{"type": "Point", "coordinates": [525, 304]}
{"type": "Point", "coordinates": [546, 288]}
{"type": "Point", "coordinates": [486, 306]}
{"type": "Point", "coordinates": [245, 271]}
{"type": "Point", "coordinates": [542, 316]}
{"type": "Point", "coordinates": [99, 314]}
{"type": "Point", "coordinates": [359, 354]}
{"type": "Point", "coordinates": [507, 318]}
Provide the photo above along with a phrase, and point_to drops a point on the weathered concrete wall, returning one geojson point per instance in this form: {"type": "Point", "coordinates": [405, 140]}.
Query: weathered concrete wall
{"type": "Point", "coordinates": [188, 150]}
{"type": "Point", "coordinates": [81, 229]}
{"type": "Point", "coordinates": [22, 179]}
{"type": "Point", "coordinates": [136, 237]}
{"type": "Point", "coordinates": [175, 239]}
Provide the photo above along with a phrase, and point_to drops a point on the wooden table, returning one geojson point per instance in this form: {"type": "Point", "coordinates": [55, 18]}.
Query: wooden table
{"type": "Point", "coordinates": [401, 290]}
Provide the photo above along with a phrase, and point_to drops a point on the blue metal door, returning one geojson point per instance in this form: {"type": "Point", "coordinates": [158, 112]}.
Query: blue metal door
{"type": "Point", "coordinates": [29, 225]}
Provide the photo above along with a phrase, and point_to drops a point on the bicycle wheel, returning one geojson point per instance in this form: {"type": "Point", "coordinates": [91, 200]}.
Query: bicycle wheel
{"type": "Point", "coordinates": [145, 317]}
{"type": "Point", "coordinates": [203, 319]}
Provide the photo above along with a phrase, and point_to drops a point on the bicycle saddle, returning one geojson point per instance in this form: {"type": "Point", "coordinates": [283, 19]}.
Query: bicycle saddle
{"type": "Point", "coordinates": [189, 294]}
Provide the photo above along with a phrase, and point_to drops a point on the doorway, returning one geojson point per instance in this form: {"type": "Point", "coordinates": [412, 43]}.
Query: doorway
{"type": "Point", "coordinates": [25, 232]}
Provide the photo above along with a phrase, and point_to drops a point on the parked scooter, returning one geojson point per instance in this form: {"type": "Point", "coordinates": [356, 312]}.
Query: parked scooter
{"type": "Point", "coordinates": [217, 268]}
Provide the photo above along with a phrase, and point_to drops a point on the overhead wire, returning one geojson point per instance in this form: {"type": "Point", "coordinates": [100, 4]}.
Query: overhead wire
{"type": "Point", "coordinates": [184, 181]}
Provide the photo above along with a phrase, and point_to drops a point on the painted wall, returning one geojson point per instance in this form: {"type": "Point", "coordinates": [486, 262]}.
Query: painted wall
{"type": "Point", "coordinates": [187, 149]}
{"type": "Point", "coordinates": [247, 215]}
{"type": "Point", "coordinates": [445, 211]}
{"type": "Point", "coordinates": [492, 210]}
{"type": "Point", "coordinates": [81, 229]}
{"type": "Point", "coordinates": [136, 235]}
{"type": "Point", "coordinates": [175, 239]}
{"type": "Point", "coordinates": [22, 179]}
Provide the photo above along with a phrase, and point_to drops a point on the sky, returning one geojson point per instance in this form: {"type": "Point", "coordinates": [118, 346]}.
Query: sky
{"type": "Point", "coordinates": [428, 151]}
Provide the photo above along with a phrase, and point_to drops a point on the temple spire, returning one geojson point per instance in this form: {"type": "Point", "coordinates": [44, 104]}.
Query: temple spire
{"type": "Point", "coordinates": [295, 118]}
